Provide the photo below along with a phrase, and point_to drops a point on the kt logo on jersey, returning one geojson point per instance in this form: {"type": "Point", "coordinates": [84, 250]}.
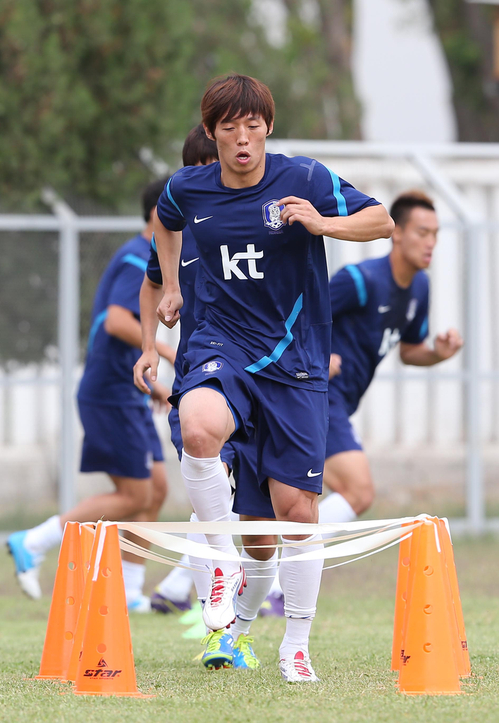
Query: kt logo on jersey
{"type": "Point", "coordinates": [272, 215]}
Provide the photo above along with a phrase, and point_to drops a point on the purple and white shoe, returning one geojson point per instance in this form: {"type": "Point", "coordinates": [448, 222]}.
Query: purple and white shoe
{"type": "Point", "coordinates": [164, 605]}
{"type": "Point", "coordinates": [273, 606]}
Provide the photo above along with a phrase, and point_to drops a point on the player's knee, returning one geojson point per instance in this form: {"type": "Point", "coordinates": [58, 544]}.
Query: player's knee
{"type": "Point", "coordinates": [139, 495]}
{"type": "Point", "coordinates": [260, 547]}
{"type": "Point", "coordinates": [200, 439]}
{"type": "Point", "coordinates": [159, 486]}
{"type": "Point", "coordinates": [363, 495]}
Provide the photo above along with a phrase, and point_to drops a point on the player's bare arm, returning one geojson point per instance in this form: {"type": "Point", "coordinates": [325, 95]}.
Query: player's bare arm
{"type": "Point", "coordinates": [334, 365]}
{"type": "Point", "coordinates": [422, 355]}
{"type": "Point", "coordinates": [169, 246]}
{"type": "Point", "coordinates": [150, 297]}
{"type": "Point", "coordinates": [366, 225]}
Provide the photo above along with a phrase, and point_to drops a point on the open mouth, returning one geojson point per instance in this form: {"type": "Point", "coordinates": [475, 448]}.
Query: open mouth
{"type": "Point", "coordinates": [243, 156]}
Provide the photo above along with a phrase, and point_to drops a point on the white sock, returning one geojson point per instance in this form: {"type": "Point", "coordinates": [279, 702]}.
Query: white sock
{"type": "Point", "coordinates": [44, 537]}
{"type": "Point", "coordinates": [335, 508]}
{"type": "Point", "coordinates": [276, 588]}
{"type": "Point", "coordinates": [300, 583]}
{"type": "Point", "coordinates": [209, 490]}
{"type": "Point", "coordinates": [134, 574]}
{"type": "Point", "coordinates": [201, 573]}
{"type": "Point", "coordinates": [177, 585]}
{"type": "Point", "coordinates": [260, 574]}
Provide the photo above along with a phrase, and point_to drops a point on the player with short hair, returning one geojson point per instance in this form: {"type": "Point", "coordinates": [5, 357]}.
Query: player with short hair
{"type": "Point", "coordinates": [120, 436]}
{"type": "Point", "coordinates": [223, 648]}
{"type": "Point", "coordinates": [260, 356]}
{"type": "Point", "coordinates": [376, 305]}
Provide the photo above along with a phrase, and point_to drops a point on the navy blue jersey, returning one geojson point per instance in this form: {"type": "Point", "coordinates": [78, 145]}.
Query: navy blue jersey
{"type": "Point", "coordinates": [264, 283]}
{"type": "Point", "coordinates": [192, 308]}
{"type": "Point", "coordinates": [108, 375]}
{"type": "Point", "coordinates": [371, 314]}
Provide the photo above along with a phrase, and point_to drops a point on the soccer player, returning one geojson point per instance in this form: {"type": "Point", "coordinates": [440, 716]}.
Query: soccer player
{"type": "Point", "coordinates": [120, 437]}
{"type": "Point", "coordinates": [260, 356]}
{"type": "Point", "coordinates": [376, 305]}
{"type": "Point", "coordinates": [223, 648]}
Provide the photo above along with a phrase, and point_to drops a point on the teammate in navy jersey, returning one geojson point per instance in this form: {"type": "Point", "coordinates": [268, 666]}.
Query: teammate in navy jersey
{"type": "Point", "coordinates": [376, 305]}
{"type": "Point", "coordinates": [222, 648]}
{"type": "Point", "coordinates": [120, 437]}
{"type": "Point", "coordinates": [261, 355]}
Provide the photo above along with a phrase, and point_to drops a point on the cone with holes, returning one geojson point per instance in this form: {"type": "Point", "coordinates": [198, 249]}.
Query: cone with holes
{"type": "Point", "coordinates": [400, 598]}
{"type": "Point", "coordinates": [106, 666]}
{"type": "Point", "coordinates": [76, 651]}
{"type": "Point", "coordinates": [463, 656]}
{"type": "Point", "coordinates": [65, 606]}
{"type": "Point", "coordinates": [428, 665]}
{"type": "Point", "coordinates": [87, 535]}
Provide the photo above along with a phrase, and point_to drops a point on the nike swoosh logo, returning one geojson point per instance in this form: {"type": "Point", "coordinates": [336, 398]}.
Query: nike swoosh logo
{"type": "Point", "coordinates": [191, 261]}
{"type": "Point", "coordinates": [200, 220]}
{"type": "Point", "coordinates": [313, 474]}
{"type": "Point", "coordinates": [384, 309]}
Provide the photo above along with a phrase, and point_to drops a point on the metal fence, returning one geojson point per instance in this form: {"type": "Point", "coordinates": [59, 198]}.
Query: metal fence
{"type": "Point", "coordinates": [52, 264]}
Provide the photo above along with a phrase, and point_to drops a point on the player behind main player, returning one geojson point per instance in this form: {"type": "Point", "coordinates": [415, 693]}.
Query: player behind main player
{"type": "Point", "coordinates": [261, 355]}
{"type": "Point", "coordinates": [376, 305]}
{"type": "Point", "coordinates": [120, 437]}
{"type": "Point", "coordinates": [223, 648]}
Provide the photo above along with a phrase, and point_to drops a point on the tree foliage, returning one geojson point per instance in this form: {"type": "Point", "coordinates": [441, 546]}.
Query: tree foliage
{"type": "Point", "coordinates": [466, 33]}
{"type": "Point", "coordinates": [84, 85]}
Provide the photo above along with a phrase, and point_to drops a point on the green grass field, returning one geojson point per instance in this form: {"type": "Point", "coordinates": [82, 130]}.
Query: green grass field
{"type": "Point", "coordinates": [350, 646]}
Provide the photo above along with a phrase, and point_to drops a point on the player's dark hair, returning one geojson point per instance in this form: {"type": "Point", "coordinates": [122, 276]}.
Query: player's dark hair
{"type": "Point", "coordinates": [236, 96]}
{"type": "Point", "coordinates": [403, 205]}
{"type": "Point", "coordinates": [198, 148]}
{"type": "Point", "coordinates": [150, 196]}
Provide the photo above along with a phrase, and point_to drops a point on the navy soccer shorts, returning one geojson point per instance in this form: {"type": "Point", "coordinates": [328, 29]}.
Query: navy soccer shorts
{"type": "Point", "coordinates": [121, 441]}
{"type": "Point", "coordinates": [290, 423]}
{"type": "Point", "coordinates": [341, 435]}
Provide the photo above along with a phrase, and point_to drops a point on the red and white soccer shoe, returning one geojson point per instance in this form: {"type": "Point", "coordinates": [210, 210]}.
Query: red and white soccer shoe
{"type": "Point", "coordinates": [219, 610]}
{"type": "Point", "coordinates": [297, 668]}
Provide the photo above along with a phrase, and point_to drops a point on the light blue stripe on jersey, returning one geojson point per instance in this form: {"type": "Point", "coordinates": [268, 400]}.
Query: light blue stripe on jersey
{"type": "Point", "coordinates": [99, 319]}
{"type": "Point", "coordinates": [283, 344]}
{"type": "Point", "coordinates": [153, 244]}
{"type": "Point", "coordinates": [340, 198]}
{"type": "Point", "coordinates": [423, 332]}
{"type": "Point", "coordinates": [360, 284]}
{"type": "Point", "coordinates": [135, 261]}
{"type": "Point", "coordinates": [169, 194]}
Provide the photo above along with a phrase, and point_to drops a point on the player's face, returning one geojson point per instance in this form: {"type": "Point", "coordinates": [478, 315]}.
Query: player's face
{"type": "Point", "coordinates": [418, 237]}
{"type": "Point", "coordinates": [241, 148]}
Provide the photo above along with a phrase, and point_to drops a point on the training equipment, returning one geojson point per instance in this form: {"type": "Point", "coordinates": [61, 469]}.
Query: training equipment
{"type": "Point", "coordinates": [273, 606]}
{"type": "Point", "coordinates": [297, 668]}
{"type": "Point", "coordinates": [218, 653]}
{"type": "Point", "coordinates": [162, 604]}
{"type": "Point", "coordinates": [219, 610]}
{"type": "Point", "coordinates": [429, 664]}
{"type": "Point", "coordinates": [87, 535]}
{"type": "Point", "coordinates": [244, 655]}
{"type": "Point", "coordinates": [106, 665]}
{"type": "Point", "coordinates": [27, 564]}
{"type": "Point", "coordinates": [400, 599]}
{"type": "Point", "coordinates": [65, 607]}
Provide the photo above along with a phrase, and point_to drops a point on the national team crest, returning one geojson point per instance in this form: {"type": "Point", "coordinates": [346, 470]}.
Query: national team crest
{"type": "Point", "coordinates": [411, 309]}
{"type": "Point", "coordinates": [212, 366]}
{"type": "Point", "coordinates": [272, 215]}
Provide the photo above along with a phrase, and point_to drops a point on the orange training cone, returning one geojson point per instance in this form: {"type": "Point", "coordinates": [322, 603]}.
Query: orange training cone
{"type": "Point", "coordinates": [65, 606]}
{"type": "Point", "coordinates": [464, 665]}
{"type": "Point", "coordinates": [82, 617]}
{"type": "Point", "coordinates": [429, 665]}
{"type": "Point", "coordinates": [400, 598]}
{"type": "Point", "coordinates": [106, 666]}
{"type": "Point", "coordinates": [87, 535]}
